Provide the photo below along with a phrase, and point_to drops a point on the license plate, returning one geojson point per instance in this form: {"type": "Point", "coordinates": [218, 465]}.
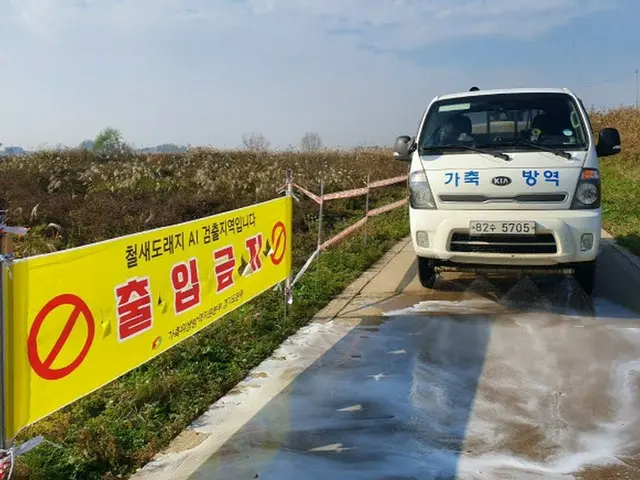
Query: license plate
{"type": "Point", "coordinates": [502, 228]}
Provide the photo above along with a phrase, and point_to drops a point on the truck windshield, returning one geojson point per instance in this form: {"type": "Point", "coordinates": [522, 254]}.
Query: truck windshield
{"type": "Point", "coordinates": [507, 122]}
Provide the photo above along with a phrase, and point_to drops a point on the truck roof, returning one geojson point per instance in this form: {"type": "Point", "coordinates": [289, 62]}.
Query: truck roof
{"type": "Point", "coordinates": [503, 91]}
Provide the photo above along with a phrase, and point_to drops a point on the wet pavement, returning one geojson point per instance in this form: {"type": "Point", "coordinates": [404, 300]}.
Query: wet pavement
{"type": "Point", "coordinates": [486, 378]}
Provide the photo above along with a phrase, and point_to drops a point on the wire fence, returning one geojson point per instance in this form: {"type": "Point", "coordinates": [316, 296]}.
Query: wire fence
{"type": "Point", "coordinates": [362, 222]}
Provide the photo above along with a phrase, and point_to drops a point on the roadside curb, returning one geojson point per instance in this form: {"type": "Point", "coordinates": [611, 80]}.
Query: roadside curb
{"type": "Point", "coordinates": [338, 304]}
{"type": "Point", "coordinates": [186, 453]}
{"type": "Point", "coordinates": [618, 274]}
{"type": "Point", "coordinates": [633, 259]}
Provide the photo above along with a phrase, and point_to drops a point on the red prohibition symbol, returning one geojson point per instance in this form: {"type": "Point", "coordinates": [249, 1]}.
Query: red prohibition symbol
{"type": "Point", "coordinates": [279, 240]}
{"type": "Point", "coordinates": [43, 367]}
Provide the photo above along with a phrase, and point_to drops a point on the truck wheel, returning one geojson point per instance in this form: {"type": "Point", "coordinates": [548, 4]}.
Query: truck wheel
{"type": "Point", "coordinates": [585, 275]}
{"type": "Point", "coordinates": [426, 272]}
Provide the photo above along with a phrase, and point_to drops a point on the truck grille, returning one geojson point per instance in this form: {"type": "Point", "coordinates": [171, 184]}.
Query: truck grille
{"type": "Point", "coordinates": [541, 243]}
{"type": "Point", "coordinates": [522, 198]}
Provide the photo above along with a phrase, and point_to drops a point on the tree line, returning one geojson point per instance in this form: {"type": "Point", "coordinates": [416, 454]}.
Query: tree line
{"type": "Point", "coordinates": [111, 141]}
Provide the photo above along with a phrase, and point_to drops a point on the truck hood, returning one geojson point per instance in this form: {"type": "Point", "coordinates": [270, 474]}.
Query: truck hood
{"type": "Point", "coordinates": [530, 181]}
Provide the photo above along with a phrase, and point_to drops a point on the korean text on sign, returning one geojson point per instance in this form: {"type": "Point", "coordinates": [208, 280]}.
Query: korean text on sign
{"type": "Point", "coordinates": [109, 307]}
{"type": "Point", "coordinates": [178, 242]}
{"type": "Point", "coordinates": [468, 177]}
{"type": "Point", "coordinates": [550, 176]}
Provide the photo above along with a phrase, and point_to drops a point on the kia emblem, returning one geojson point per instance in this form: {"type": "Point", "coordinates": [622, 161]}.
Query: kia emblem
{"type": "Point", "coordinates": [501, 181]}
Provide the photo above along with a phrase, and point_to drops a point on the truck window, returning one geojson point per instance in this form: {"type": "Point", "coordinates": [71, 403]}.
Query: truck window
{"type": "Point", "coordinates": [586, 114]}
{"type": "Point", "coordinates": [549, 119]}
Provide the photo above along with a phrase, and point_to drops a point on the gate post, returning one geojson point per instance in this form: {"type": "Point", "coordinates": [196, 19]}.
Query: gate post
{"type": "Point", "coordinates": [5, 255]}
{"type": "Point", "coordinates": [288, 296]}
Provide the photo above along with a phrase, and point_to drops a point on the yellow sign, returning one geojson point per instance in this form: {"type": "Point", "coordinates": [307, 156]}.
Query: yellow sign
{"type": "Point", "coordinates": [79, 318]}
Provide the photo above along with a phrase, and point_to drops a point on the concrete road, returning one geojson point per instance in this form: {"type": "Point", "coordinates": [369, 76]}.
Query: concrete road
{"type": "Point", "coordinates": [492, 378]}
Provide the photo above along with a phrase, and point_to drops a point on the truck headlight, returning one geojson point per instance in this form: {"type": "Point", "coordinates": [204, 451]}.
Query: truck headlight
{"type": "Point", "coordinates": [588, 190]}
{"type": "Point", "coordinates": [420, 192]}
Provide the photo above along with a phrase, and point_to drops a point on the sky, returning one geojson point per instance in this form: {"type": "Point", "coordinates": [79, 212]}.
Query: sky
{"type": "Point", "coordinates": [357, 72]}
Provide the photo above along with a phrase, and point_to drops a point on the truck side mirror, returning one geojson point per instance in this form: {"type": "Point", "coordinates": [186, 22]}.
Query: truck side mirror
{"type": "Point", "coordinates": [402, 148]}
{"type": "Point", "coordinates": [608, 142]}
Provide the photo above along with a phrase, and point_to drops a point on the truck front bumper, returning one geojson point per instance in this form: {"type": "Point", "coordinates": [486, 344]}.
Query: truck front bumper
{"type": "Point", "coordinates": [444, 235]}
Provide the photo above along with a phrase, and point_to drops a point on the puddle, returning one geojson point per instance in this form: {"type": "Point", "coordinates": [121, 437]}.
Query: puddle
{"type": "Point", "coordinates": [555, 434]}
{"type": "Point", "coordinates": [560, 390]}
{"type": "Point", "coordinates": [450, 307]}
{"type": "Point", "coordinates": [368, 329]}
{"type": "Point", "coordinates": [558, 402]}
{"type": "Point", "coordinates": [496, 296]}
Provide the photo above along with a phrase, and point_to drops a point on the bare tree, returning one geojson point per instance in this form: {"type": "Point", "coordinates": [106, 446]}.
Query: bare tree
{"type": "Point", "coordinates": [255, 142]}
{"type": "Point", "coordinates": [311, 142]}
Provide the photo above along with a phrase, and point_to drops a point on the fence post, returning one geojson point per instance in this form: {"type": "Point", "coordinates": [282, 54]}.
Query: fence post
{"type": "Point", "coordinates": [288, 295]}
{"type": "Point", "coordinates": [5, 252]}
{"type": "Point", "coordinates": [320, 215]}
{"type": "Point", "coordinates": [366, 209]}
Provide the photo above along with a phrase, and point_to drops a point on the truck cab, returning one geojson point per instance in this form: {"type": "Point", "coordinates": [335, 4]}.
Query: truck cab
{"type": "Point", "coordinates": [506, 180]}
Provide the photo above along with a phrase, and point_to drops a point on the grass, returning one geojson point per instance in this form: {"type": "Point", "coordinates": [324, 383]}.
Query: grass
{"type": "Point", "coordinates": [621, 178]}
{"type": "Point", "coordinates": [75, 199]}
{"type": "Point", "coordinates": [621, 200]}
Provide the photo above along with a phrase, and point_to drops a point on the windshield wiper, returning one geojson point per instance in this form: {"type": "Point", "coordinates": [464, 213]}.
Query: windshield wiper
{"type": "Point", "coordinates": [522, 143]}
{"type": "Point", "coordinates": [500, 155]}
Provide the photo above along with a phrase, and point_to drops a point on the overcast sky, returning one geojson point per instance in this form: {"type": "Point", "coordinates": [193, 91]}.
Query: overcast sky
{"type": "Point", "coordinates": [356, 71]}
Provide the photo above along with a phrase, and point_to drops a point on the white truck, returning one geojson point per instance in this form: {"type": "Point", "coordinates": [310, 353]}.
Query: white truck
{"type": "Point", "coordinates": [506, 180]}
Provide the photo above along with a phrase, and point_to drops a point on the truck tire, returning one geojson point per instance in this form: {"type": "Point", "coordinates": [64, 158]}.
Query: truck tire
{"type": "Point", "coordinates": [585, 275]}
{"type": "Point", "coordinates": [426, 272]}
